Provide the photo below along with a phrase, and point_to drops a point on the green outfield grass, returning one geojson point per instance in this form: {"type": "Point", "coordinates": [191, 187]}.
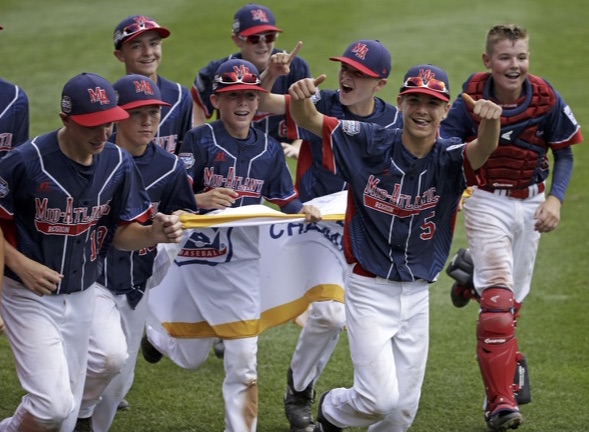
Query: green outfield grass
{"type": "Point", "coordinates": [43, 44]}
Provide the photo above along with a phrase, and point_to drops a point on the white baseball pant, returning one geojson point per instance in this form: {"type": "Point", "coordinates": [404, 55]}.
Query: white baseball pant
{"type": "Point", "coordinates": [388, 332]}
{"type": "Point", "coordinates": [240, 386]}
{"type": "Point", "coordinates": [49, 340]}
{"type": "Point", "coordinates": [502, 240]}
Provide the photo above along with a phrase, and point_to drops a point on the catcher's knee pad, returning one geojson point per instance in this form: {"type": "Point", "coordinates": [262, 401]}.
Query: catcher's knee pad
{"type": "Point", "coordinates": [497, 346]}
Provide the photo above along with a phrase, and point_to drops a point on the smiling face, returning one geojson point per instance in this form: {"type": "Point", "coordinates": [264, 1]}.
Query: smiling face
{"type": "Point", "coordinates": [258, 53]}
{"type": "Point", "coordinates": [508, 62]}
{"type": "Point", "coordinates": [357, 90]}
{"type": "Point", "coordinates": [81, 143]}
{"type": "Point", "coordinates": [236, 110]}
{"type": "Point", "coordinates": [422, 115]}
{"type": "Point", "coordinates": [142, 55]}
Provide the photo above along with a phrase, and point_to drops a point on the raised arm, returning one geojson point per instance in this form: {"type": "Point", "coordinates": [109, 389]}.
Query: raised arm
{"type": "Point", "coordinates": [302, 110]}
{"type": "Point", "coordinates": [487, 140]}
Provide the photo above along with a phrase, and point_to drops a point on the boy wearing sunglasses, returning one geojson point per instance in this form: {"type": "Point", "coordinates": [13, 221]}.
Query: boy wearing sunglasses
{"type": "Point", "coordinates": [254, 32]}
{"type": "Point", "coordinates": [364, 68]}
{"type": "Point", "coordinates": [404, 186]}
{"type": "Point", "coordinates": [138, 44]}
{"type": "Point", "coordinates": [232, 164]}
{"type": "Point", "coordinates": [507, 211]}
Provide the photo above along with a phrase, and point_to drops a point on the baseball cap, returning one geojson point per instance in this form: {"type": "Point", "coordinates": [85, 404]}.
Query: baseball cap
{"type": "Point", "coordinates": [237, 74]}
{"type": "Point", "coordinates": [133, 26]}
{"type": "Point", "coordinates": [90, 101]}
{"type": "Point", "coordinates": [252, 19]}
{"type": "Point", "coordinates": [137, 90]}
{"type": "Point", "coordinates": [427, 79]}
{"type": "Point", "coordinates": [368, 56]}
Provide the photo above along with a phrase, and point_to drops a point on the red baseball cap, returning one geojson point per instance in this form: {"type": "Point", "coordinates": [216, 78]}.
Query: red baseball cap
{"type": "Point", "coordinates": [133, 26]}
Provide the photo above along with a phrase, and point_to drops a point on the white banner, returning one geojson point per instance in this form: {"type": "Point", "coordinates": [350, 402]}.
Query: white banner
{"type": "Point", "coordinates": [246, 269]}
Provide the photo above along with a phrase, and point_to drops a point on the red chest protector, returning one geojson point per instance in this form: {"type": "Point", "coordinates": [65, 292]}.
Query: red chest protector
{"type": "Point", "coordinates": [522, 149]}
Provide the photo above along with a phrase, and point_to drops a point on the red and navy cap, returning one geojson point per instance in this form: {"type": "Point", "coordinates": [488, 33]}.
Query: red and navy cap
{"type": "Point", "coordinates": [254, 19]}
{"type": "Point", "coordinates": [90, 101]}
{"type": "Point", "coordinates": [237, 74]}
{"type": "Point", "coordinates": [426, 79]}
{"type": "Point", "coordinates": [135, 90]}
{"type": "Point", "coordinates": [368, 56]}
{"type": "Point", "coordinates": [133, 26]}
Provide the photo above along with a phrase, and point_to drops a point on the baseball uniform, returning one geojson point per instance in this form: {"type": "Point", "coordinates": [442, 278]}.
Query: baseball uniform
{"type": "Point", "coordinates": [14, 116]}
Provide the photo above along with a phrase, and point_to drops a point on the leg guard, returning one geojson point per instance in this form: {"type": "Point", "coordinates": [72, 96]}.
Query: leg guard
{"type": "Point", "coordinates": [497, 348]}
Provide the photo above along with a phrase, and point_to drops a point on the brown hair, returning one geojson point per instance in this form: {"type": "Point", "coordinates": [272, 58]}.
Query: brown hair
{"type": "Point", "coordinates": [501, 32]}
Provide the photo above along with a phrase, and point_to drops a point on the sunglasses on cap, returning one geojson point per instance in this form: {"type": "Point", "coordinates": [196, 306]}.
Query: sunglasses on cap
{"type": "Point", "coordinates": [135, 27]}
{"type": "Point", "coordinates": [257, 38]}
{"type": "Point", "coordinates": [228, 78]}
{"type": "Point", "coordinates": [431, 84]}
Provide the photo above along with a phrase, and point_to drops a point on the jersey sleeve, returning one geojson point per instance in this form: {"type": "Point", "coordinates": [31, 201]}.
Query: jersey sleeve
{"type": "Point", "coordinates": [11, 173]}
{"type": "Point", "coordinates": [178, 195]}
{"type": "Point", "coordinates": [131, 203]}
{"type": "Point", "coordinates": [21, 108]}
{"type": "Point", "coordinates": [562, 128]}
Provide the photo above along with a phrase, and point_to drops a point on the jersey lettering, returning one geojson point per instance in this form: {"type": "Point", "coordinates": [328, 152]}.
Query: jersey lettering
{"type": "Point", "coordinates": [245, 186]}
{"type": "Point", "coordinates": [71, 221]}
{"type": "Point", "coordinates": [396, 203]}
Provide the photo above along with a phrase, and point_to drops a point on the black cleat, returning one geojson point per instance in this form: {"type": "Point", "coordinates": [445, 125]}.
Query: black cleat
{"type": "Point", "coordinates": [298, 406]}
{"type": "Point", "coordinates": [123, 406]}
{"type": "Point", "coordinates": [219, 348]}
{"type": "Point", "coordinates": [150, 353]}
{"type": "Point", "coordinates": [322, 424]}
{"type": "Point", "coordinates": [83, 425]}
{"type": "Point", "coordinates": [504, 419]}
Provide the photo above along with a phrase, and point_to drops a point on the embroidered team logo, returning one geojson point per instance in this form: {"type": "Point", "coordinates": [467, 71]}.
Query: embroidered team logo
{"type": "Point", "coordinates": [220, 157]}
{"type": "Point", "coordinates": [426, 74]}
{"type": "Point", "coordinates": [360, 50]}
{"type": "Point", "coordinates": [4, 189]}
{"type": "Point", "coordinates": [351, 127]}
{"type": "Point", "coordinates": [188, 159]}
{"type": "Point", "coordinates": [98, 95]}
{"type": "Point", "coordinates": [143, 87]}
{"type": "Point", "coordinates": [260, 15]}
{"type": "Point", "coordinates": [208, 246]}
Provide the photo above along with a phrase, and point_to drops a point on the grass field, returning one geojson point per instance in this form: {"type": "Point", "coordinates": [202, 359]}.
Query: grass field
{"type": "Point", "coordinates": [43, 44]}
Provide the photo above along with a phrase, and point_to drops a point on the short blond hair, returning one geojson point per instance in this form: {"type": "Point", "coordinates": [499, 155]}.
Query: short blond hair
{"type": "Point", "coordinates": [501, 32]}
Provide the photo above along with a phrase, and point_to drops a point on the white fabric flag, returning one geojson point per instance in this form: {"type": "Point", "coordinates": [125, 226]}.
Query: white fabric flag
{"type": "Point", "coordinates": [246, 269]}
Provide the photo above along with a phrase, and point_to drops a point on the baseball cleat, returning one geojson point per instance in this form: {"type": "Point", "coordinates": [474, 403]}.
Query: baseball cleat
{"type": "Point", "coordinates": [298, 405]}
{"type": "Point", "coordinates": [219, 348]}
{"type": "Point", "coordinates": [83, 425]}
{"type": "Point", "coordinates": [150, 353]}
{"type": "Point", "coordinates": [322, 424]}
{"type": "Point", "coordinates": [123, 405]}
{"type": "Point", "coordinates": [504, 419]}
{"type": "Point", "coordinates": [460, 295]}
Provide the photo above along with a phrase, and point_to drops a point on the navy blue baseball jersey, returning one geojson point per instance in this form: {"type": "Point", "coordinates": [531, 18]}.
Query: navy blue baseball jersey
{"type": "Point", "coordinates": [312, 179]}
{"type": "Point", "coordinates": [62, 214]}
{"type": "Point", "coordinates": [166, 182]}
{"type": "Point", "coordinates": [14, 116]}
{"type": "Point", "coordinates": [254, 167]}
{"type": "Point", "coordinates": [176, 119]}
{"type": "Point", "coordinates": [395, 196]}
{"type": "Point", "coordinates": [275, 125]}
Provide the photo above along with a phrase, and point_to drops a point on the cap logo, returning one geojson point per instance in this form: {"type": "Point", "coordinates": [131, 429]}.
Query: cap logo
{"type": "Point", "coordinates": [260, 15]}
{"type": "Point", "coordinates": [426, 74]}
{"type": "Point", "coordinates": [240, 71]}
{"type": "Point", "coordinates": [98, 95]}
{"type": "Point", "coordinates": [143, 87]}
{"type": "Point", "coordinates": [360, 50]}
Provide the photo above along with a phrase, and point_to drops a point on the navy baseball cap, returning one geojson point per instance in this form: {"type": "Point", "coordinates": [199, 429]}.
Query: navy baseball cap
{"type": "Point", "coordinates": [237, 74]}
{"type": "Point", "coordinates": [253, 19]}
{"type": "Point", "coordinates": [137, 90]}
{"type": "Point", "coordinates": [90, 101]}
{"type": "Point", "coordinates": [133, 26]}
{"type": "Point", "coordinates": [368, 56]}
{"type": "Point", "coordinates": [427, 79]}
